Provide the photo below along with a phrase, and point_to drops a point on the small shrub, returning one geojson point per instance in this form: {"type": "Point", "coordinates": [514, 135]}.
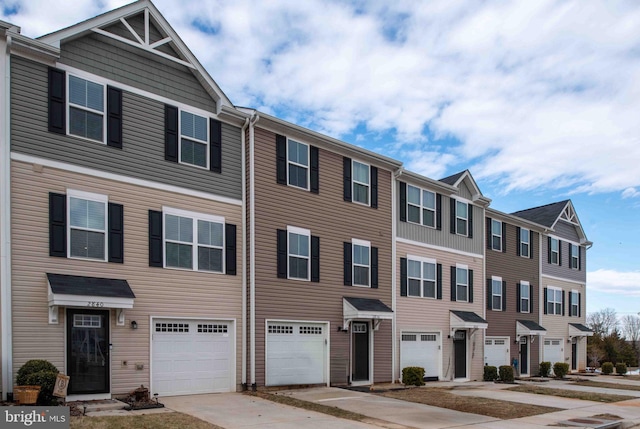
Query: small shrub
{"type": "Point", "coordinates": [413, 376]}
{"type": "Point", "coordinates": [41, 373]}
{"type": "Point", "coordinates": [560, 369]}
{"type": "Point", "coordinates": [621, 368]}
{"type": "Point", "coordinates": [506, 373]}
{"type": "Point", "coordinates": [607, 368]}
{"type": "Point", "coordinates": [490, 373]}
{"type": "Point", "coordinates": [545, 368]}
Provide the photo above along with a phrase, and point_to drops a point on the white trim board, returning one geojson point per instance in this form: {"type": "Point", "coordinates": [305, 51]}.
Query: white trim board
{"type": "Point", "coordinates": [434, 247]}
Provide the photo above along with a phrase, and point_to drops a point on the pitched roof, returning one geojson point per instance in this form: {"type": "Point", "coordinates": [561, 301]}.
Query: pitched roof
{"type": "Point", "coordinates": [531, 325]}
{"type": "Point", "coordinates": [544, 215]}
{"type": "Point", "coordinates": [468, 316]}
{"type": "Point", "coordinates": [368, 304]}
{"type": "Point", "coordinates": [90, 286]}
{"type": "Point", "coordinates": [581, 327]}
{"type": "Point", "coordinates": [453, 179]}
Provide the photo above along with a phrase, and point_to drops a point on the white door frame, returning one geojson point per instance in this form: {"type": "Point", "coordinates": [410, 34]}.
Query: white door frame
{"type": "Point", "coordinates": [370, 333]}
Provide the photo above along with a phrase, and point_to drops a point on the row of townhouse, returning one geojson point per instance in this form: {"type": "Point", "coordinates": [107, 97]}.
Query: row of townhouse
{"type": "Point", "coordinates": [153, 233]}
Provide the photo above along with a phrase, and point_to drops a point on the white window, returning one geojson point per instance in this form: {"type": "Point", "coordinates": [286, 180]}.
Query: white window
{"type": "Point", "coordinates": [361, 262]}
{"type": "Point", "coordinates": [193, 241]}
{"type": "Point", "coordinates": [496, 235]}
{"type": "Point", "coordinates": [421, 206]}
{"type": "Point", "coordinates": [361, 181]}
{"type": "Point", "coordinates": [462, 283]}
{"type": "Point", "coordinates": [575, 303]}
{"type": "Point", "coordinates": [86, 109]}
{"type": "Point", "coordinates": [554, 300]}
{"type": "Point", "coordinates": [299, 248]}
{"type": "Point", "coordinates": [525, 240]}
{"type": "Point", "coordinates": [194, 139]}
{"type": "Point", "coordinates": [298, 164]}
{"type": "Point", "coordinates": [87, 231]}
{"type": "Point", "coordinates": [574, 259]}
{"type": "Point", "coordinates": [462, 218]}
{"type": "Point", "coordinates": [525, 299]}
{"type": "Point", "coordinates": [496, 293]}
{"type": "Point", "coordinates": [555, 251]}
{"type": "Point", "coordinates": [421, 277]}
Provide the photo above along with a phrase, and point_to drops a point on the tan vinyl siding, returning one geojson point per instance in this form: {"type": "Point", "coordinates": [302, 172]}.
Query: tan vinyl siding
{"type": "Point", "coordinates": [432, 315]}
{"type": "Point", "coordinates": [159, 292]}
{"type": "Point", "coordinates": [335, 221]}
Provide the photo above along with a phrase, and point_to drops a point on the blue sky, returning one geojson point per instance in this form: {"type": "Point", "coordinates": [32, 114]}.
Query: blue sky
{"type": "Point", "coordinates": [539, 100]}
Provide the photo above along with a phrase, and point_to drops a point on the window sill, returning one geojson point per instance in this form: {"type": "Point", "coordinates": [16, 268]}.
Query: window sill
{"type": "Point", "coordinates": [77, 258]}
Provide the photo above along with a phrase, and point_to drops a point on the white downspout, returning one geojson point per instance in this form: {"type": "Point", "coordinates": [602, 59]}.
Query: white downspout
{"type": "Point", "coordinates": [5, 221]}
{"type": "Point", "coordinates": [243, 375]}
{"type": "Point", "coordinates": [252, 248]}
{"type": "Point", "coordinates": [395, 370]}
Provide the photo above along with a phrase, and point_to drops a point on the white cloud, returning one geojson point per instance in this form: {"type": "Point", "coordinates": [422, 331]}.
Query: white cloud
{"type": "Point", "coordinates": [630, 193]}
{"type": "Point", "coordinates": [615, 282]}
{"type": "Point", "coordinates": [540, 94]}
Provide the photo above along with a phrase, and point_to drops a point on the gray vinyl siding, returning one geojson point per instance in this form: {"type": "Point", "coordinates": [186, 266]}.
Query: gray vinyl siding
{"type": "Point", "coordinates": [142, 155]}
{"type": "Point", "coordinates": [566, 231]}
{"type": "Point", "coordinates": [465, 192]}
{"type": "Point", "coordinates": [129, 65]}
{"type": "Point", "coordinates": [564, 271]}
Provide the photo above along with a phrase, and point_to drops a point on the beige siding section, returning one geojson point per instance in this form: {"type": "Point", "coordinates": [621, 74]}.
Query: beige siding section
{"type": "Point", "coordinates": [432, 315]}
{"type": "Point", "coordinates": [159, 292]}
{"type": "Point", "coordinates": [335, 221]}
{"type": "Point", "coordinates": [557, 326]}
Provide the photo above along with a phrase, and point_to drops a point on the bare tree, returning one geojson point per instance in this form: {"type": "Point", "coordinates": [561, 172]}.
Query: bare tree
{"type": "Point", "coordinates": [603, 322]}
{"type": "Point", "coordinates": [631, 328]}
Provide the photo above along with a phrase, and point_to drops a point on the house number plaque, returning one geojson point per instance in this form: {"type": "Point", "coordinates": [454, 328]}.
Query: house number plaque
{"type": "Point", "coordinates": [95, 304]}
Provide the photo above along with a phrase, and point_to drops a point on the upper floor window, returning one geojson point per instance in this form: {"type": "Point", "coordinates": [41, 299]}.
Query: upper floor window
{"type": "Point", "coordinates": [87, 233]}
{"type": "Point", "coordinates": [194, 139]}
{"type": "Point", "coordinates": [496, 235]}
{"type": "Point", "coordinates": [574, 256]}
{"type": "Point", "coordinates": [361, 263]}
{"type": "Point", "coordinates": [461, 218]}
{"type": "Point", "coordinates": [298, 164]}
{"type": "Point", "coordinates": [193, 241]}
{"type": "Point", "coordinates": [299, 248]}
{"type": "Point", "coordinates": [86, 108]}
{"type": "Point", "coordinates": [554, 249]}
{"type": "Point", "coordinates": [525, 297]}
{"type": "Point", "coordinates": [496, 293]}
{"type": "Point", "coordinates": [575, 303]}
{"type": "Point", "coordinates": [462, 283]}
{"type": "Point", "coordinates": [361, 182]}
{"type": "Point", "coordinates": [554, 300]}
{"type": "Point", "coordinates": [525, 242]}
{"type": "Point", "coordinates": [421, 206]}
{"type": "Point", "coordinates": [421, 278]}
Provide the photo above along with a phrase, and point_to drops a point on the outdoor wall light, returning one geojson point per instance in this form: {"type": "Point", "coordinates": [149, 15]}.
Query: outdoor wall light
{"type": "Point", "coordinates": [134, 324]}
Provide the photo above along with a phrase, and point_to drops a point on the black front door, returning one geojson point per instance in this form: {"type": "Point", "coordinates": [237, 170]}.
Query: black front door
{"type": "Point", "coordinates": [460, 354]}
{"type": "Point", "coordinates": [524, 356]}
{"type": "Point", "coordinates": [360, 352]}
{"type": "Point", "coordinates": [574, 356]}
{"type": "Point", "coordinates": [88, 351]}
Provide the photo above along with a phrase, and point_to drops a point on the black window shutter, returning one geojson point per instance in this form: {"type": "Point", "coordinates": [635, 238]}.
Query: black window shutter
{"type": "Point", "coordinates": [470, 223]}
{"type": "Point", "coordinates": [439, 212]}
{"type": "Point", "coordinates": [156, 254]}
{"type": "Point", "coordinates": [489, 294]}
{"type": "Point", "coordinates": [489, 234]}
{"type": "Point", "coordinates": [439, 281]}
{"type": "Point", "coordinates": [504, 295]}
{"type": "Point", "coordinates": [315, 170]}
{"type": "Point", "coordinates": [57, 225]}
{"type": "Point", "coordinates": [518, 298]}
{"type": "Point", "coordinates": [579, 304]}
{"type": "Point", "coordinates": [348, 281]}
{"type": "Point", "coordinates": [564, 313]}
{"type": "Point", "coordinates": [403, 277]}
{"type": "Point", "coordinates": [57, 101]}
{"type": "Point", "coordinates": [452, 215]}
{"type": "Point", "coordinates": [531, 246]}
{"type": "Point", "coordinates": [171, 133]}
{"type": "Point", "coordinates": [374, 187]}
{"type": "Point", "coordinates": [215, 152]}
{"type": "Point", "coordinates": [403, 202]}
{"type": "Point", "coordinates": [281, 159]}
{"type": "Point", "coordinates": [549, 250]}
{"type": "Point", "coordinates": [374, 267]}
{"type": "Point", "coordinates": [518, 242]}
{"type": "Point", "coordinates": [114, 117]}
{"type": "Point", "coordinates": [579, 258]}
{"type": "Point", "coordinates": [315, 259]}
{"type": "Point", "coordinates": [504, 237]}
{"type": "Point", "coordinates": [453, 283]}
{"type": "Point", "coordinates": [560, 252]}
{"type": "Point", "coordinates": [470, 274]}
{"type": "Point", "coordinates": [282, 254]}
{"type": "Point", "coordinates": [546, 301]}
{"type": "Point", "coordinates": [116, 233]}
{"type": "Point", "coordinates": [230, 258]}
{"type": "Point", "coordinates": [346, 173]}
{"type": "Point", "coordinates": [531, 299]}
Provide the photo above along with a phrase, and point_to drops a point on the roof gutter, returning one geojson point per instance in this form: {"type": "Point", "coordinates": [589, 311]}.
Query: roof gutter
{"type": "Point", "coordinates": [244, 256]}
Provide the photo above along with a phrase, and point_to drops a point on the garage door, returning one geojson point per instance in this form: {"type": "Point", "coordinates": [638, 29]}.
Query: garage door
{"type": "Point", "coordinates": [296, 353]}
{"type": "Point", "coordinates": [192, 356]}
{"type": "Point", "coordinates": [421, 349]}
{"type": "Point", "coordinates": [553, 351]}
{"type": "Point", "coordinates": [496, 352]}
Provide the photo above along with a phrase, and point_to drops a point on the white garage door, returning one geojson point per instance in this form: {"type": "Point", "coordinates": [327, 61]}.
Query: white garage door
{"type": "Point", "coordinates": [553, 351]}
{"type": "Point", "coordinates": [496, 351]}
{"type": "Point", "coordinates": [421, 349]}
{"type": "Point", "coordinates": [296, 353]}
{"type": "Point", "coordinates": [192, 356]}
